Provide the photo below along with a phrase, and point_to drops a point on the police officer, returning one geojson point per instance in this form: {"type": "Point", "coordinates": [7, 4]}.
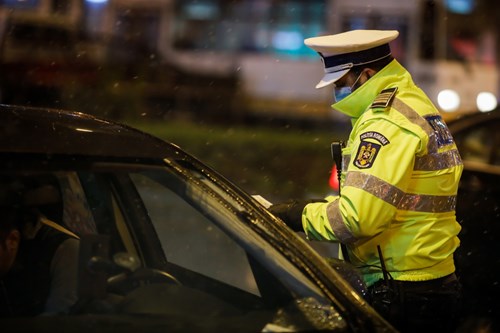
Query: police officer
{"type": "Point", "coordinates": [400, 174]}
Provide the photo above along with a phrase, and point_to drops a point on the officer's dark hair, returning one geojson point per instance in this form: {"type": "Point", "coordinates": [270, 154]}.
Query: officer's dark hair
{"type": "Point", "coordinates": [381, 63]}
{"type": "Point", "coordinates": [376, 65]}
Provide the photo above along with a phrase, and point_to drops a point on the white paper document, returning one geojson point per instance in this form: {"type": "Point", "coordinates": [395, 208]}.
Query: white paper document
{"type": "Point", "coordinates": [263, 201]}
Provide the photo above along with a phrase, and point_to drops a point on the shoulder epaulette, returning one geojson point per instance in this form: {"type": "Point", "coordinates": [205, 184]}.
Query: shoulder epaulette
{"type": "Point", "coordinates": [384, 98]}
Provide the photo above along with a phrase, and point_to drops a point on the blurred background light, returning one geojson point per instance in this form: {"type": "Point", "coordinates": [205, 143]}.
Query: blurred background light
{"type": "Point", "coordinates": [460, 6]}
{"type": "Point", "coordinates": [288, 40]}
{"type": "Point", "coordinates": [22, 4]}
{"type": "Point", "coordinates": [202, 10]}
{"type": "Point", "coordinates": [448, 100]}
{"type": "Point", "coordinates": [486, 101]}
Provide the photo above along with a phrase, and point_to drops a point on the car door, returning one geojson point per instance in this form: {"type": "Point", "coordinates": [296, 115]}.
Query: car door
{"type": "Point", "coordinates": [191, 230]}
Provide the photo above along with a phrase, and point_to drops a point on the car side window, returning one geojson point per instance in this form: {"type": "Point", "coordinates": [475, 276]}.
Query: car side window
{"type": "Point", "coordinates": [191, 240]}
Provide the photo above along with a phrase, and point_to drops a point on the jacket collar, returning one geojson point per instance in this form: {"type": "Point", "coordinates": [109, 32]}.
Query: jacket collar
{"type": "Point", "coordinates": [360, 100]}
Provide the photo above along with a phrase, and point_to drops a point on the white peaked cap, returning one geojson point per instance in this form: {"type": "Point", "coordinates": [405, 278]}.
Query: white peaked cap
{"type": "Point", "coordinates": [343, 51]}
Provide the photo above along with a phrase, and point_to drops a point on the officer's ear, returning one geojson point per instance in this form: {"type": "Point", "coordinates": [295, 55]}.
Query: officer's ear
{"type": "Point", "coordinates": [369, 72]}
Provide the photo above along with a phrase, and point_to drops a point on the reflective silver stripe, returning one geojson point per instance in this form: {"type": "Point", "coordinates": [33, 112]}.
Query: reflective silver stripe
{"type": "Point", "coordinates": [337, 223]}
{"type": "Point", "coordinates": [438, 161]}
{"type": "Point", "coordinates": [376, 186]}
{"type": "Point", "coordinates": [417, 119]}
{"type": "Point", "coordinates": [398, 198]}
{"type": "Point", "coordinates": [428, 203]}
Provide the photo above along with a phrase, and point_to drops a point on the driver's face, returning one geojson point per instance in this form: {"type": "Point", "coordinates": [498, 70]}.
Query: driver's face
{"type": "Point", "coordinates": [8, 250]}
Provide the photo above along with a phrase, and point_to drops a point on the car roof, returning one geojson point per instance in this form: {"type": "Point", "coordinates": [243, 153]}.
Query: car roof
{"type": "Point", "coordinates": [471, 119]}
{"type": "Point", "coordinates": [48, 131]}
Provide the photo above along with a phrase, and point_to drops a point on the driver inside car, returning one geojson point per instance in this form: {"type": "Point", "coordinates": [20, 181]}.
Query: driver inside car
{"type": "Point", "coordinates": [38, 257]}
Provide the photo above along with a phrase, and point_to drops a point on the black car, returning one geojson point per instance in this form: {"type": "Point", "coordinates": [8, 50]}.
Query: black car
{"type": "Point", "coordinates": [478, 211]}
{"type": "Point", "coordinates": [168, 244]}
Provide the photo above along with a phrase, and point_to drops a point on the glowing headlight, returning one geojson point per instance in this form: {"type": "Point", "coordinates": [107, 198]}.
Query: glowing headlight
{"type": "Point", "coordinates": [448, 100]}
{"type": "Point", "coordinates": [486, 101]}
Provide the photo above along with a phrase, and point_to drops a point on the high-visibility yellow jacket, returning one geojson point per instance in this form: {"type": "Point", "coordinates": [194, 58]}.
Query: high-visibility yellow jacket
{"type": "Point", "coordinates": [399, 182]}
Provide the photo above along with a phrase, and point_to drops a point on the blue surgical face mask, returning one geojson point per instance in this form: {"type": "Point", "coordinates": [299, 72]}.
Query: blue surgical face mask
{"type": "Point", "coordinates": [339, 93]}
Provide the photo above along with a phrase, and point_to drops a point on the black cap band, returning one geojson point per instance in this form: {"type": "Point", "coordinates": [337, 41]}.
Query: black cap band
{"type": "Point", "coordinates": [357, 58]}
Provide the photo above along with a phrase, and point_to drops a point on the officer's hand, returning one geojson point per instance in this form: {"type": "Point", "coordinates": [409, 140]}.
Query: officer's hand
{"type": "Point", "coordinates": [291, 212]}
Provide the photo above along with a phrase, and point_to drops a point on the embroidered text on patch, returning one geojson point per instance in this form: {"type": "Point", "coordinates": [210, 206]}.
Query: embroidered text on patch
{"type": "Point", "coordinates": [443, 135]}
{"type": "Point", "coordinates": [376, 136]}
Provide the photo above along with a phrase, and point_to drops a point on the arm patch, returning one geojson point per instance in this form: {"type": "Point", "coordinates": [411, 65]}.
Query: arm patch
{"type": "Point", "coordinates": [368, 150]}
